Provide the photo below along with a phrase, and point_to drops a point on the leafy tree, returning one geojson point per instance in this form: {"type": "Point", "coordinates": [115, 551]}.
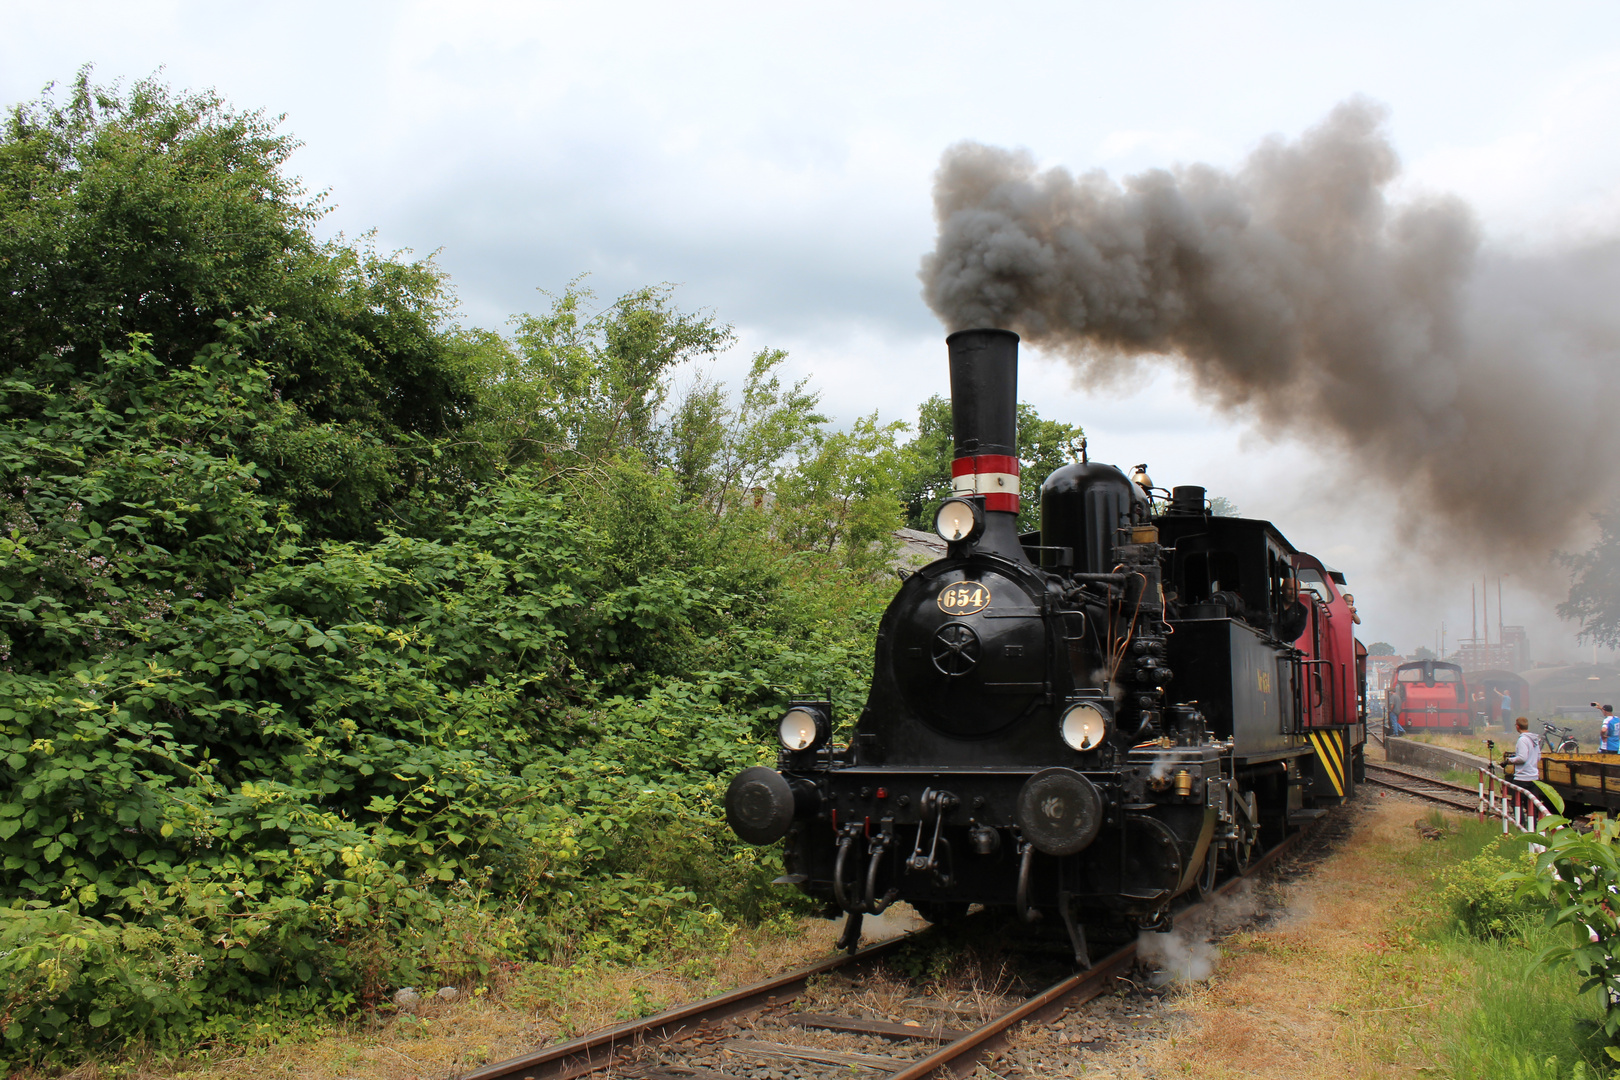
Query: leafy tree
{"type": "Point", "coordinates": [1043, 446]}
{"type": "Point", "coordinates": [159, 214]}
{"type": "Point", "coordinates": [572, 386]}
{"type": "Point", "coordinates": [1221, 506]}
{"type": "Point", "coordinates": [1594, 584]}
{"type": "Point", "coordinates": [926, 476]}
{"type": "Point", "coordinates": [845, 496]}
{"type": "Point", "coordinates": [1381, 648]}
{"type": "Point", "coordinates": [146, 212]}
{"type": "Point", "coordinates": [696, 441]}
{"type": "Point", "coordinates": [728, 455]}
{"type": "Point", "coordinates": [1423, 652]}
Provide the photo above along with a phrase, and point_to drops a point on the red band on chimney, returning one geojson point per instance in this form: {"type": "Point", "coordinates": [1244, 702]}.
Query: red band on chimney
{"type": "Point", "coordinates": [994, 476]}
{"type": "Point", "coordinates": [985, 463]}
{"type": "Point", "coordinates": [998, 501]}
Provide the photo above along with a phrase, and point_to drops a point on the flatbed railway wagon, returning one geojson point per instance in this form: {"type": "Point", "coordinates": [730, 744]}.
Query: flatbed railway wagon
{"type": "Point", "coordinates": [1589, 781]}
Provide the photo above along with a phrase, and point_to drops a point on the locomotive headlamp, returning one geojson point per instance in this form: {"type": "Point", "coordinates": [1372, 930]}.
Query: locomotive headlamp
{"type": "Point", "coordinates": [958, 519]}
{"type": "Point", "coordinates": [1083, 727]}
{"type": "Point", "coordinates": [803, 728]}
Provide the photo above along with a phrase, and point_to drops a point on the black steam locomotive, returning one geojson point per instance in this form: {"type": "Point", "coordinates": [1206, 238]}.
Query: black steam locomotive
{"type": "Point", "coordinates": [1087, 721]}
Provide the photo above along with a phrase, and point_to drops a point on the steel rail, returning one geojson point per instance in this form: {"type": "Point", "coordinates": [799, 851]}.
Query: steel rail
{"type": "Point", "coordinates": [962, 1056]}
{"type": "Point", "coordinates": [596, 1051]}
{"type": "Point", "coordinates": [588, 1053]}
{"type": "Point", "coordinates": [1441, 792]}
{"type": "Point", "coordinates": [1466, 789]}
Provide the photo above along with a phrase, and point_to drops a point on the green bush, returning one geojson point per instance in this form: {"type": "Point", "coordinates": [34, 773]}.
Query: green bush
{"type": "Point", "coordinates": [286, 760]}
{"type": "Point", "coordinates": [1484, 902]}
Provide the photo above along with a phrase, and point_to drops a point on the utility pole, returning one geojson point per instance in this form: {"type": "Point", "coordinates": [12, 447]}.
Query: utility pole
{"type": "Point", "coordinates": [1499, 636]}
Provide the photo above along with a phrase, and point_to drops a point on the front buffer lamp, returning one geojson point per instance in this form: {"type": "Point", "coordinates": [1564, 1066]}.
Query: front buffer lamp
{"type": "Point", "coordinates": [958, 520]}
{"type": "Point", "coordinates": [802, 728]}
{"type": "Point", "coordinates": [1083, 727]}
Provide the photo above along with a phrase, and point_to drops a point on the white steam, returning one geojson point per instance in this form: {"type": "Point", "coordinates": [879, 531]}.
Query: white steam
{"type": "Point", "coordinates": [1189, 952]}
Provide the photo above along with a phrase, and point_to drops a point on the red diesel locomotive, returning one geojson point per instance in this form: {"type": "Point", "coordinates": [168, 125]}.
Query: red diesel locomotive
{"type": "Point", "coordinates": [1430, 694]}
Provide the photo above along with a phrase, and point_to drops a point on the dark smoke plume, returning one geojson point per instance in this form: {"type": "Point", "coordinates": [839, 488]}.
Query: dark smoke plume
{"type": "Point", "coordinates": [1475, 385]}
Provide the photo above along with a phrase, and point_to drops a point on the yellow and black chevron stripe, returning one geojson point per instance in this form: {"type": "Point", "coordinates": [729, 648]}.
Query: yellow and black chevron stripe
{"type": "Point", "coordinates": [1333, 751]}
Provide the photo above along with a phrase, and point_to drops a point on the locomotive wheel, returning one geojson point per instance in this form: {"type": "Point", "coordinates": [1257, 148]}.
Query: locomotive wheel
{"type": "Point", "coordinates": [1241, 851]}
{"type": "Point", "coordinates": [1152, 867]}
{"type": "Point", "coordinates": [1208, 875]}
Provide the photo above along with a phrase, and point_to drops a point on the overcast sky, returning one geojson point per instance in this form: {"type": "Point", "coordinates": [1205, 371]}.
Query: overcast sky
{"type": "Point", "coordinates": [776, 160]}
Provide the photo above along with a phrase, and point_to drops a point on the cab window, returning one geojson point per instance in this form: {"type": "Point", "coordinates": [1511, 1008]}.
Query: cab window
{"type": "Point", "coordinates": [1310, 580]}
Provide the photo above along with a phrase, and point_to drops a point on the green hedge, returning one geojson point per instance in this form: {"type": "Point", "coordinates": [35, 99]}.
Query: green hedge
{"type": "Point", "coordinates": [236, 767]}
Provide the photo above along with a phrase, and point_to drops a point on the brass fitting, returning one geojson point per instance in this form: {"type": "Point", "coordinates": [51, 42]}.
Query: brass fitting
{"type": "Point", "coordinates": [1184, 783]}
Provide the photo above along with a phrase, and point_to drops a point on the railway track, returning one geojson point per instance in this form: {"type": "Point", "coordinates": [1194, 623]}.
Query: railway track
{"type": "Point", "coordinates": [923, 1049]}
{"type": "Point", "coordinates": [1441, 792]}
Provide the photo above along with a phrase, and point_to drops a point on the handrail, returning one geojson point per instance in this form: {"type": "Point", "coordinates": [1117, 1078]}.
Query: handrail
{"type": "Point", "coordinates": [1329, 690]}
{"type": "Point", "coordinates": [1515, 805]}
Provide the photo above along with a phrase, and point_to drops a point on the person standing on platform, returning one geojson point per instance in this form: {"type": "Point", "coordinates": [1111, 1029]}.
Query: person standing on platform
{"type": "Point", "coordinates": [1526, 756]}
{"type": "Point", "coordinates": [1611, 731]}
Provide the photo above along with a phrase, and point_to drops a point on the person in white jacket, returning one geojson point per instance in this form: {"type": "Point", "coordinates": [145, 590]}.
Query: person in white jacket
{"type": "Point", "coordinates": [1526, 756]}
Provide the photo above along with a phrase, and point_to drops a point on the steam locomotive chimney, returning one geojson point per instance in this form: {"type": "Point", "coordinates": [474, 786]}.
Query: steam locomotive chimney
{"type": "Point", "coordinates": [984, 424]}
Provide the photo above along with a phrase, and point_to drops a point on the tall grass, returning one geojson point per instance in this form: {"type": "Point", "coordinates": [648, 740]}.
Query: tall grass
{"type": "Point", "coordinates": [1524, 1022]}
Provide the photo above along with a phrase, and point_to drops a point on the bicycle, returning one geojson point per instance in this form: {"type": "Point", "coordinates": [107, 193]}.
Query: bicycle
{"type": "Point", "coordinates": [1559, 740]}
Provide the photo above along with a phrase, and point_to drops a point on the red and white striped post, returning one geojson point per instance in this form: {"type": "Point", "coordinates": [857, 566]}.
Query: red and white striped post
{"type": "Point", "coordinates": [1515, 805]}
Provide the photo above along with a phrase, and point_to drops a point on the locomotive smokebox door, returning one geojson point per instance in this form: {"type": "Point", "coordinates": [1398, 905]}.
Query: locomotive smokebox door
{"type": "Point", "coordinates": [973, 653]}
